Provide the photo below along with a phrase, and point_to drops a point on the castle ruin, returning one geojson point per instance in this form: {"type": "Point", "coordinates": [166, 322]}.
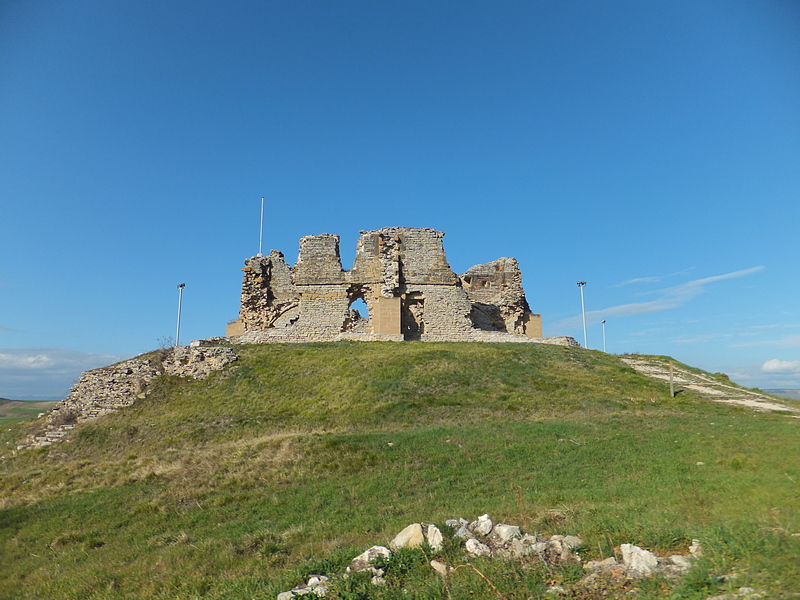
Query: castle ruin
{"type": "Point", "coordinates": [403, 277]}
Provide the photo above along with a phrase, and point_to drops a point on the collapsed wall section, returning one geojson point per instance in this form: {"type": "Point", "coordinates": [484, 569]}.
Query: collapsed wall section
{"type": "Point", "coordinates": [498, 300]}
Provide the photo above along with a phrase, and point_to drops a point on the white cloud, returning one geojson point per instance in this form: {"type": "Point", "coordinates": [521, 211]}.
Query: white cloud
{"type": "Point", "coordinates": [671, 297]}
{"type": "Point", "coordinates": [781, 366]}
{"type": "Point", "coordinates": [45, 372]}
{"type": "Point", "coordinates": [653, 279]}
{"type": "Point", "coordinates": [637, 280]}
{"type": "Point", "coordinates": [701, 338]}
{"type": "Point", "coordinates": [790, 341]}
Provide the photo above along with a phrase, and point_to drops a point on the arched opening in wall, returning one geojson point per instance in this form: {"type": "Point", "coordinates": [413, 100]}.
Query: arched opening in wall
{"type": "Point", "coordinates": [357, 319]}
{"type": "Point", "coordinates": [359, 305]}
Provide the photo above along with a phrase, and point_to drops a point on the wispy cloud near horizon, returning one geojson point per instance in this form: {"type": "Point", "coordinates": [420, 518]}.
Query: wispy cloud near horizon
{"type": "Point", "coordinates": [789, 341]}
{"type": "Point", "coordinates": [671, 297]}
{"type": "Point", "coordinates": [45, 372]}
{"type": "Point", "coordinates": [653, 279]}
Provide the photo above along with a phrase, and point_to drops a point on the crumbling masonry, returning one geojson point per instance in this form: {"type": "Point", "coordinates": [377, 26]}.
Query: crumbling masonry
{"type": "Point", "coordinates": [402, 275]}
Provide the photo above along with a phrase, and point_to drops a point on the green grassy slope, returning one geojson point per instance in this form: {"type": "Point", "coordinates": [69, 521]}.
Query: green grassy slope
{"type": "Point", "coordinates": [298, 457]}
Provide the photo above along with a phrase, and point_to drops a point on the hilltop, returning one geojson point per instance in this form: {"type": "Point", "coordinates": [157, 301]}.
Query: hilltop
{"type": "Point", "coordinates": [295, 458]}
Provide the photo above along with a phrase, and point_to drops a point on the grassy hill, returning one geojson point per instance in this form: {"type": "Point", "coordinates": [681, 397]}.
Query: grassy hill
{"type": "Point", "coordinates": [297, 457]}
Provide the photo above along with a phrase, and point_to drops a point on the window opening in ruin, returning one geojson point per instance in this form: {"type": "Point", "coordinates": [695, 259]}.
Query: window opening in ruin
{"type": "Point", "coordinates": [359, 305]}
{"type": "Point", "coordinates": [357, 317]}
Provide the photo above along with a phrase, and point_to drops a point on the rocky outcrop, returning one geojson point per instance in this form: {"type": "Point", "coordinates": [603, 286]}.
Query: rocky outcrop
{"type": "Point", "coordinates": [109, 389]}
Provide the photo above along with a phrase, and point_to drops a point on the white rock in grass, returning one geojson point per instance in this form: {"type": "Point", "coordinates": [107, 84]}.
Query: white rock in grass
{"type": "Point", "coordinates": [298, 591]}
{"type": "Point", "coordinates": [517, 548]}
{"type": "Point", "coordinates": [439, 567]}
{"type": "Point", "coordinates": [475, 548]}
{"type": "Point", "coordinates": [482, 526]}
{"type": "Point", "coordinates": [638, 562]}
{"type": "Point", "coordinates": [684, 562]}
{"type": "Point", "coordinates": [573, 541]}
{"type": "Point", "coordinates": [410, 537]}
{"type": "Point", "coordinates": [435, 537]}
{"type": "Point", "coordinates": [506, 532]}
{"type": "Point", "coordinates": [364, 560]}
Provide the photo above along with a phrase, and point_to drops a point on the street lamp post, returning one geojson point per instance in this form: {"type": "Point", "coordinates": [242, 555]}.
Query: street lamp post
{"type": "Point", "coordinates": [604, 334]}
{"type": "Point", "coordinates": [180, 302]}
{"type": "Point", "coordinates": [261, 227]}
{"type": "Point", "coordinates": [582, 284]}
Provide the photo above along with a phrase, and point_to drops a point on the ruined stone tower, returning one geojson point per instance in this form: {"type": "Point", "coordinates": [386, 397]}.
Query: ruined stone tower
{"type": "Point", "coordinates": [402, 275]}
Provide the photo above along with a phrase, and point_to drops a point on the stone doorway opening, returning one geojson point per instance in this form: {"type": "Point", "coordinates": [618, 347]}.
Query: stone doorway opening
{"type": "Point", "coordinates": [412, 317]}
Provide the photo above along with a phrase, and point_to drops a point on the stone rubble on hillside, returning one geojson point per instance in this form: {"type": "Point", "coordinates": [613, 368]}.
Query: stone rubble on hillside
{"type": "Point", "coordinates": [106, 390]}
{"type": "Point", "coordinates": [482, 537]}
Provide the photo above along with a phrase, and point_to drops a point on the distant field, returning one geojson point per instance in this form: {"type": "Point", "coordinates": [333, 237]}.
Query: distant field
{"type": "Point", "coordinates": [793, 394]}
{"type": "Point", "coordinates": [12, 411]}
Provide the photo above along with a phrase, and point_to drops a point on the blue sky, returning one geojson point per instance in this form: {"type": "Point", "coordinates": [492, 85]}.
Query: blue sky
{"type": "Point", "coordinates": [651, 149]}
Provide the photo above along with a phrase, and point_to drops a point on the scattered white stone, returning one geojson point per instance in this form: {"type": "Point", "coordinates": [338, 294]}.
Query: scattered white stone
{"type": "Point", "coordinates": [364, 560]}
{"type": "Point", "coordinates": [316, 580]}
{"type": "Point", "coordinates": [483, 526]}
{"type": "Point", "coordinates": [475, 548]}
{"type": "Point", "coordinates": [439, 567]}
{"type": "Point", "coordinates": [555, 589]}
{"type": "Point", "coordinates": [435, 537]}
{"type": "Point", "coordinates": [573, 541]}
{"type": "Point", "coordinates": [506, 532]}
{"type": "Point", "coordinates": [601, 565]}
{"type": "Point", "coordinates": [684, 562]}
{"type": "Point", "coordinates": [410, 537]}
{"type": "Point", "coordinates": [695, 548]}
{"type": "Point", "coordinates": [517, 548]}
{"type": "Point", "coordinates": [537, 548]}
{"type": "Point", "coordinates": [378, 580]}
{"type": "Point", "coordinates": [638, 562]}
{"type": "Point", "coordinates": [464, 533]}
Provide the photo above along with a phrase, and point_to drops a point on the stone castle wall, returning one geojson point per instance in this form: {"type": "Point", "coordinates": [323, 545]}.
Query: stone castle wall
{"type": "Point", "coordinates": [401, 274]}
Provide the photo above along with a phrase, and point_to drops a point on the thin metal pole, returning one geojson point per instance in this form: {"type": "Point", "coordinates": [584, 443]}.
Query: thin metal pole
{"type": "Point", "coordinates": [671, 385]}
{"type": "Point", "coordinates": [581, 285]}
{"type": "Point", "coordinates": [261, 227]}
{"type": "Point", "coordinates": [604, 334]}
{"type": "Point", "coordinates": [180, 302]}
